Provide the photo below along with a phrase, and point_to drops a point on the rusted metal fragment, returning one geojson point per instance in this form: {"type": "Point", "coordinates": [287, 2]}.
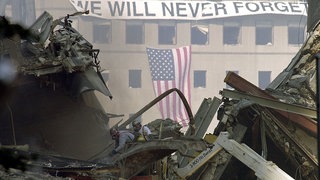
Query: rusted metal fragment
{"type": "Point", "coordinates": [240, 84]}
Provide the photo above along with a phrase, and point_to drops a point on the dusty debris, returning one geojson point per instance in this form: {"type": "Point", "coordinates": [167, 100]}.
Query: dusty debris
{"type": "Point", "coordinates": [20, 175]}
{"type": "Point", "coordinates": [299, 78]}
{"type": "Point", "coordinates": [163, 128]}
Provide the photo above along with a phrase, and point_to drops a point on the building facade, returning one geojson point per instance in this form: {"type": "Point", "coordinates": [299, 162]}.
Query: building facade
{"type": "Point", "coordinates": [257, 47]}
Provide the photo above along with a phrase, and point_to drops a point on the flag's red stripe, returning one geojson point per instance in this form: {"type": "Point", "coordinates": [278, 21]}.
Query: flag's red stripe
{"type": "Point", "coordinates": [188, 75]}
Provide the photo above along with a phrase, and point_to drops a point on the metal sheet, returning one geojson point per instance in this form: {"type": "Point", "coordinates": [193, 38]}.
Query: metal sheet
{"type": "Point", "coordinates": [86, 81]}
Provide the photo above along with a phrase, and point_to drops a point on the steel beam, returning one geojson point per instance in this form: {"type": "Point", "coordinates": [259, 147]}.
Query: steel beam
{"type": "Point", "coordinates": [312, 113]}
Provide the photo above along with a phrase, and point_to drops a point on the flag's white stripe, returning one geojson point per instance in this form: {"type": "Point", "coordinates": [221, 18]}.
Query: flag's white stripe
{"type": "Point", "coordinates": [184, 117]}
{"type": "Point", "coordinates": [186, 80]}
{"type": "Point", "coordinates": [183, 82]}
{"type": "Point", "coordinates": [186, 88]}
{"type": "Point", "coordinates": [187, 77]}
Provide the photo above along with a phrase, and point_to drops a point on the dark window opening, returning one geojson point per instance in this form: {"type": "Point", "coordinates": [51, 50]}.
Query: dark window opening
{"type": "Point", "coordinates": [231, 34]}
{"type": "Point", "coordinates": [199, 34]}
{"type": "Point", "coordinates": [199, 79]}
{"type": "Point", "coordinates": [295, 35]}
{"type": "Point", "coordinates": [102, 33]}
{"type": "Point", "coordinates": [263, 35]}
{"type": "Point", "coordinates": [264, 79]}
{"type": "Point", "coordinates": [134, 33]}
{"type": "Point", "coordinates": [167, 34]}
{"type": "Point", "coordinates": [135, 78]}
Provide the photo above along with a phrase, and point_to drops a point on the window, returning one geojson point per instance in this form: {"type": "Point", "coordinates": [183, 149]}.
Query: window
{"type": "Point", "coordinates": [167, 34]}
{"type": "Point", "coordinates": [264, 79]}
{"type": "Point", "coordinates": [134, 33]}
{"type": "Point", "coordinates": [264, 33]}
{"type": "Point", "coordinates": [199, 79]}
{"type": "Point", "coordinates": [102, 33]}
{"type": "Point", "coordinates": [135, 78]}
{"type": "Point", "coordinates": [227, 86]}
{"type": "Point", "coordinates": [231, 34]}
{"type": "Point", "coordinates": [295, 33]}
{"type": "Point", "coordinates": [199, 34]}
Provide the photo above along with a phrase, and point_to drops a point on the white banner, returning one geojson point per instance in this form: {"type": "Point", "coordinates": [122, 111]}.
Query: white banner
{"type": "Point", "coordinates": [185, 10]}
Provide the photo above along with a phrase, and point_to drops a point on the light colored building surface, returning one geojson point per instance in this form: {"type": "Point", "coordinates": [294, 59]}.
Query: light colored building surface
{"type": "Point", "coordinates": [262, 46]}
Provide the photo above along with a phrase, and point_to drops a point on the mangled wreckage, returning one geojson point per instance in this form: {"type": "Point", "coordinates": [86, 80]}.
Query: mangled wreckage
{"type": "Point", "coordinates": [267, 134]}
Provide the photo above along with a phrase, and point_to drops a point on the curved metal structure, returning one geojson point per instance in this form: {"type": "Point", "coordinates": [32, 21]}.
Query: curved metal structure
{"type": "Point", "coordinates": [163, 95]}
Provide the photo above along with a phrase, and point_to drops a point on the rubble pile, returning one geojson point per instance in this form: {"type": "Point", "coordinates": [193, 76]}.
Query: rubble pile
{"type": "Point", "coordinates": [18, 174]}
{"type": "Point", "coordinates": [299, 85]}
{"type": "Point", "coordinates": [167, 127]}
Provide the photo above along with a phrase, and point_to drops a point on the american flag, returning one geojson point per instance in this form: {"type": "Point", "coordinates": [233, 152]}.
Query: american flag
{"type": "Point", "coordinates": [170, 68]}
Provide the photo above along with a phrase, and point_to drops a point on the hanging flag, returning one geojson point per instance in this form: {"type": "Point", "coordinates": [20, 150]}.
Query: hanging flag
{"type": "Point", "coordinates": [170, 68]}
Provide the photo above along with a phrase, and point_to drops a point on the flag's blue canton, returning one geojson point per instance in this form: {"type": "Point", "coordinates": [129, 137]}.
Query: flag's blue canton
{"type": "Point", "coordinates": [161, 64]}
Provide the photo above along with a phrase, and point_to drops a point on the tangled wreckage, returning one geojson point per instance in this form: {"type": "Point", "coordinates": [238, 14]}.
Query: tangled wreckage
{"type": "Point", "coordinates": [50, 118]}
